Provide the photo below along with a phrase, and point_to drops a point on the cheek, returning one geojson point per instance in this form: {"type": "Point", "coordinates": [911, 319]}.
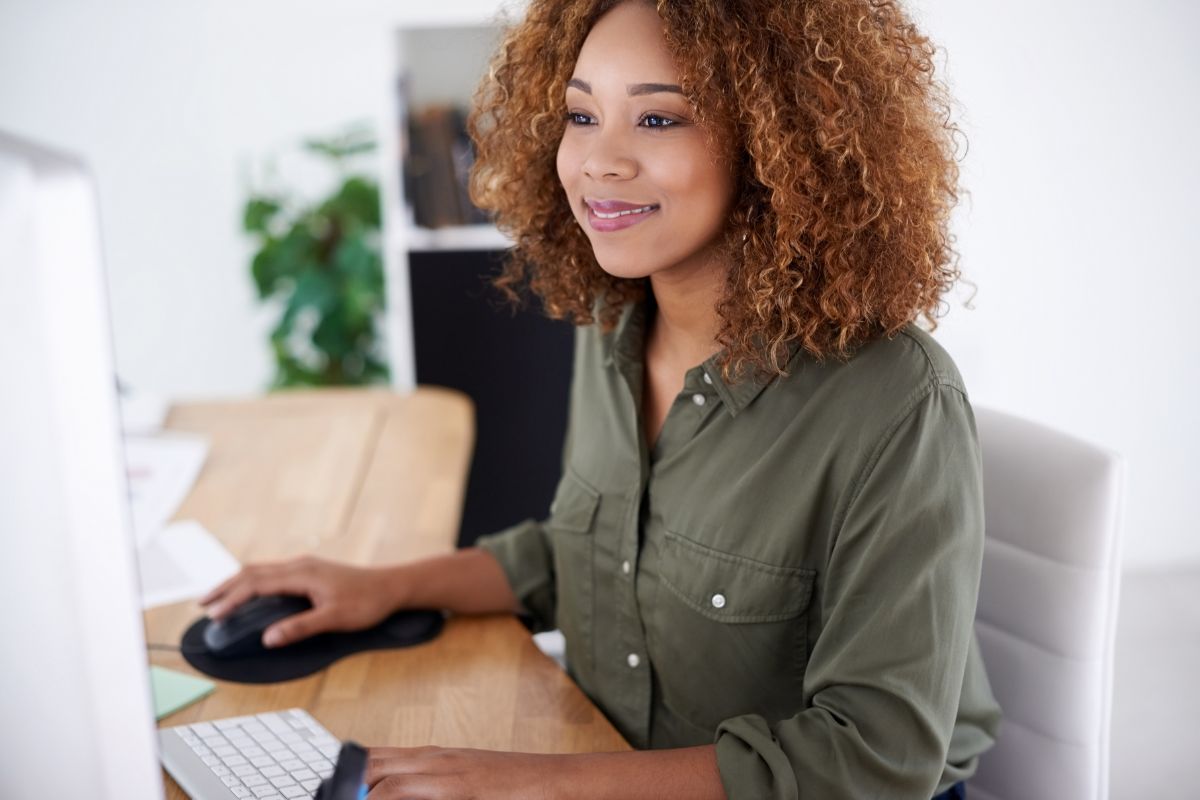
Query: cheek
{"type": "Point", "coordinates": [706, 187]}
{"type": "Point", "coordinates": [567, 164]}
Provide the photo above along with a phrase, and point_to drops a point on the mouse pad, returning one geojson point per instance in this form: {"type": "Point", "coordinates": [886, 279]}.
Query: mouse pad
{"type": "Point", "coordinates": [402, 629]}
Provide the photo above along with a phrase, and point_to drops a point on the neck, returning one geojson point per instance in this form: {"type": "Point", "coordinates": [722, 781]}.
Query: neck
{"type": "Point", "coordinates": [686, 324]}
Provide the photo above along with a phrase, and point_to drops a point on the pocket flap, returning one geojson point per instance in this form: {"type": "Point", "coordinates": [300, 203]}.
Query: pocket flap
{"type": "Point", "coordinates": [732, 588]}
{"type": "Point", "coordinates": [574, 504]}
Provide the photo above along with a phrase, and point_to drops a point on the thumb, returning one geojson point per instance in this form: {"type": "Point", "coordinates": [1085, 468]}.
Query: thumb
{"type": "Point", "coordinates": [296, 627]}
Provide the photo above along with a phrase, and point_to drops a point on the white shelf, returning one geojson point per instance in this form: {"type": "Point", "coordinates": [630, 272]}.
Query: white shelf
{"type": "Point", "coordinates": [457, 237]}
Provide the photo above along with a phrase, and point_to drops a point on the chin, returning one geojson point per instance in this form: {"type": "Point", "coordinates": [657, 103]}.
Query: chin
{"type": "Point", "coordinates": [627, 268]}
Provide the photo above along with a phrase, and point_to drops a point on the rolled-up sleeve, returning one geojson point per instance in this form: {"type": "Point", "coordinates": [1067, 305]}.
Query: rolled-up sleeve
{"type": "Point", "coordinates": [526, 555]}
{"type": "Point", "coordinates": [898, 595]}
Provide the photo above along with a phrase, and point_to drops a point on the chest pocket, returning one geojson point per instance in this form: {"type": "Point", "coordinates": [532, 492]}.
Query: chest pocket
{"type": "Point", "coordinates": [728, 634]}
{"type": "Point", "coordinates": [572, 515]}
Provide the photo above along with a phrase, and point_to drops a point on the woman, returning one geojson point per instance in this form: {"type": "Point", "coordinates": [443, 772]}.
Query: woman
{"type": "Point", "coordinates": [765, 548]}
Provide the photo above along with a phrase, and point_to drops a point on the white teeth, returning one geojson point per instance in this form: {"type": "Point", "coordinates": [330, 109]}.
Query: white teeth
{"type": "Point", "coordinates": [641, 210]}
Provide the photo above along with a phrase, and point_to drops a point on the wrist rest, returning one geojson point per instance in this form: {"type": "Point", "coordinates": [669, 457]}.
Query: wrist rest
{"type": "Point", "coordinates": [402, 629]}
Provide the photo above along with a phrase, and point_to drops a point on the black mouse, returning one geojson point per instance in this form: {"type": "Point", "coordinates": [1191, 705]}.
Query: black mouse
{"type": "Point", "coordinates": [240, 633]}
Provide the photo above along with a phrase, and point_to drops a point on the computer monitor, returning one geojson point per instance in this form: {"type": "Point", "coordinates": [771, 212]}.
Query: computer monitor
{"type": "Point", "coordinates": [75, 710]}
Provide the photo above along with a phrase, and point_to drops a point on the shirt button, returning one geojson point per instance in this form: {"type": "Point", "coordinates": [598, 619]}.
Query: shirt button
{"type": "Point", "coordinates": [708, 379]}
{"type": "Point", "coordinates": [633, 660]}
{"type": "Point", "coordinates": [625, 567]}
{"type": "Point", "coordinates": [699, 399]}
{"type": "Point", "coordinates": [718, 600]}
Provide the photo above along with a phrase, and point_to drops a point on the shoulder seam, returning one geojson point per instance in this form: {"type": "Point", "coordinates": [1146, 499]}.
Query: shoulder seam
{"type": "Point", "coordinates": [918, 395]}
{"type": "Point", "coordinates": [938, 376]}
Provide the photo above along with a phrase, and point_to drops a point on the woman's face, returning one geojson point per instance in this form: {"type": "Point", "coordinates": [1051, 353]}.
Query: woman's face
{"type": "Point", "coordinates": [638, 172]}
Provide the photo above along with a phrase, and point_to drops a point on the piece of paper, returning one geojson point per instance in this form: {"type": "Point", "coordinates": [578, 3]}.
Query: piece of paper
{"type": "Point", "coordinates": [175, 690]}
{"type": "Point", "coordinates": [161, 470]}
{"type": "Point", "coordinates": [183, 562]}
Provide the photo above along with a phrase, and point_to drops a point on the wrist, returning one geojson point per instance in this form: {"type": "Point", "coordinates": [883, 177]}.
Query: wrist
{"type": "Point", "coordinates": [395, 585]}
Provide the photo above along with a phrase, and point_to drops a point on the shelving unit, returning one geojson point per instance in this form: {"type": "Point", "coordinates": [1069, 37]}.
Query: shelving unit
{"type": "Point", "coordinates": [433, 64]}
{"type": "Point", "coordinates": [445, 327]}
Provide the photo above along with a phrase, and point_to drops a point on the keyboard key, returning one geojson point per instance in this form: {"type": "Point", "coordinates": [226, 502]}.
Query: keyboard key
{"type": "Point", "coordinates": [275, 724]}
{"type": "Point", "coordinates": [322, 766]}
{"type": "Point", "coordinates": [242, 791]}
{"type": "Point", "coordinates": [243, 770]}
{"type": "Point", "coordinates": [254, 780]}
{"type": "Point", "coordinates": [232, 722]}
{"type": "Point", "coordinates": [229, 780]}
{"type": "Point", "coordinates": [304, 774]}
{"type": "Point", "coordinates": [282, 781]}
{"type": "Point", "coordinates": [234, 760]}
{"type": "Point", "coordinates": [310, 786]}
{"type": "Point", "coordinates": [295, 791]}
{"type": "Point", "coordinates": [220, 770]}
{"type": "Point", "coordinates": [203, 729]}
{"type": "Point", "coordinates": [224, 750]}
{"type": "Point", "coordinates": [262, 761]}
{"type": "Point", "coordinates": [272, 771]}
{"type": "Point", "coordinates": [266, 790]}
{"type": "Point", "coordinates": [291, 764]}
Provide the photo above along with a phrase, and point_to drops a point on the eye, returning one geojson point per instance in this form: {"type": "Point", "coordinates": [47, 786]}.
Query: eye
{"type": "Point", "coordinates": [577, 118]}
{"type": "Point", "coordinates": [657, 121]}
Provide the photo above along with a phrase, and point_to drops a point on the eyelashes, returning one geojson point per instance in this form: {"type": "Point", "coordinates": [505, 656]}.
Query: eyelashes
{"type": "Point", "coordinates": [578, 119]}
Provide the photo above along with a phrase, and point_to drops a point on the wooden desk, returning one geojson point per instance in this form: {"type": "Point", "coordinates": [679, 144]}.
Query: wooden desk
{"type": "Point", "coordinates": [370, 477]}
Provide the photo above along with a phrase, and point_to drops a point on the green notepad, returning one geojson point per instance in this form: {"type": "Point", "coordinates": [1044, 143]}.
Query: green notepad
{"type": "Point", "coordinates": [174, 690]}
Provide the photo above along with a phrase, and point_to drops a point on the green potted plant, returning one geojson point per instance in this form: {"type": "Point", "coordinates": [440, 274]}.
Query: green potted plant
{"type": "Point", "coordinates": [322, 261]}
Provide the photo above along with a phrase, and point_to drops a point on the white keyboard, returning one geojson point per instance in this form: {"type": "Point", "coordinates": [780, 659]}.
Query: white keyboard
{"type": "Point", "coordinates": [282, 754]}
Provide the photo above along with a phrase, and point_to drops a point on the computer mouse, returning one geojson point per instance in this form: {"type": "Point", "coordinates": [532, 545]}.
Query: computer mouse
{"type": "Point", "coordinates": [240, 633]}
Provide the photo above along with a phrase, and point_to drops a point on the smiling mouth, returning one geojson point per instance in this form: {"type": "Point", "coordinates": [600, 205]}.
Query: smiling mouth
{"type": "Point", "coordinates": [625, 213]}
{"type": "Point", "coordinates": [609, 216]}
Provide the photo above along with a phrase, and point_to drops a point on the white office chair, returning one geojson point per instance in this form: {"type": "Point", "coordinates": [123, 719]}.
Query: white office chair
{"type": "Point", "coordinates": [1048, 609]}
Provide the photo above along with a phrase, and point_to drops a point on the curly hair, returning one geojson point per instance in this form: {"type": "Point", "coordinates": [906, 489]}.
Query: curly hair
{"type": "Point", "coordinates": [846, 169]}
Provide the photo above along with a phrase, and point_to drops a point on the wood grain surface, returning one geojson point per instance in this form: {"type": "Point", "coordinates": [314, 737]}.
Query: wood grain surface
{"type": "Point", "coordinates": [369, 476]}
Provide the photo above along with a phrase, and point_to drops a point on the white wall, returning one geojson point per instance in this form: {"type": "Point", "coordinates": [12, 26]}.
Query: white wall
{"type": "Point", "coordinates": [1080, 231]}
{"type": "Point", "coordinates": [170, 102]}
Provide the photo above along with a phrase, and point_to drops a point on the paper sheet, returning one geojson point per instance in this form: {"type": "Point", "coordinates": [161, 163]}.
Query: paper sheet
{"type": "Point", "coordinates": [162, 469]}
{"type": "Point", "coordinates": [183, 562]}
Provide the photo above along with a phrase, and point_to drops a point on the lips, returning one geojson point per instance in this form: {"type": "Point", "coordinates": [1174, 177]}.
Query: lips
{"type": "Point", "coordinates": [613, 215]}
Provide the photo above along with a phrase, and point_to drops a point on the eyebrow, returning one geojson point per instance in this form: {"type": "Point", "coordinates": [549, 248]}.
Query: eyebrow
{"type": "Point", "coordinates": [633, 89]}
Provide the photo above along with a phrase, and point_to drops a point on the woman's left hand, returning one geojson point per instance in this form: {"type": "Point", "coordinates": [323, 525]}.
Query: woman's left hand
{"type": "Point", "coordinates": [437, 773]}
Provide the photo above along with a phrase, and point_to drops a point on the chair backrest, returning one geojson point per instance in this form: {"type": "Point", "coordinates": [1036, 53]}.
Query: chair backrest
{"type": "Point", "coordinates": [1048, 608]}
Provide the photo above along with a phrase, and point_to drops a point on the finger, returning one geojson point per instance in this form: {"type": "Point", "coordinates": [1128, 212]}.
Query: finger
{"type": "Point", "coordinates": [407, 787]}
{"type": "Point", "coordinates": [385, 761]}
{"type": "Point", "coordinates": [220, 589]}
{"type": "Point", "coordinates": [297, 627]}
{"type": "Point", "coordinates": [257, 583]}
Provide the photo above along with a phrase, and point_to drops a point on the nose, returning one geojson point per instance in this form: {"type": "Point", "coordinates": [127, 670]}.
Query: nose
{"type": "Point", "coordinates": [609, 157]}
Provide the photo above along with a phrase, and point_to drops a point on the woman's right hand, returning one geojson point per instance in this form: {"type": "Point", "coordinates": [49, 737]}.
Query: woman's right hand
{"type": "Point", "coordinates": [343, 597]}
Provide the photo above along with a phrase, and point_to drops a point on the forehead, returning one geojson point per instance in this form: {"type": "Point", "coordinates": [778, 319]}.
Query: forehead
{"type": "Point", "coordinates": [627, 41]}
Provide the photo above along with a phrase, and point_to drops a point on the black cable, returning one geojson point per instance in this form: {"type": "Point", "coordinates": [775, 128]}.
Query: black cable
{"type": "Point", "coordinates": [174, 648]}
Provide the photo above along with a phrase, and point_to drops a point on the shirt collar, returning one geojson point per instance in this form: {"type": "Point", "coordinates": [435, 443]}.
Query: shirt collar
{"type": "Point", "coordinates": [625, 346]}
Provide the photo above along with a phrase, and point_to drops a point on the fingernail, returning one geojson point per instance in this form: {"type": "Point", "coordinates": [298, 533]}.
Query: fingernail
{"type": "Point", "coordinates": [272, 639]}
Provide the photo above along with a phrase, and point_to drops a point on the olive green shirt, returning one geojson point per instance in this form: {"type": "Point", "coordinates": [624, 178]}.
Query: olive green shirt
{"type": "Point", "coordinates": [790, 572]}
